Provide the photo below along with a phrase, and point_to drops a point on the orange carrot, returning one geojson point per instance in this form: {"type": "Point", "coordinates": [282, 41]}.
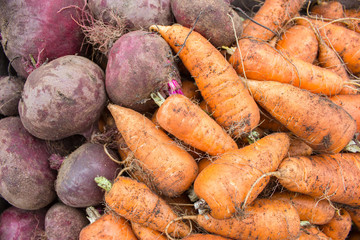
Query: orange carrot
{"type": "Point", "coordinates": [306, 115]}
{"type": "Point", "coordinates": [258, 61]}
{"type": "Point", "coordinates": [273, 15]}
{"type": "Point", "coordinates": [203, 163]}
{"type": "Point", "coordinates": [264, 219]}
{"type": "Point", "coordinates": [351, 104]}
{"type": "Point", "coordinates": [205, 237]}
{"type": "Point", "coordinates": [108, 227]}
{"type": "Point", "coordinates": [299, 42]}
{"type": "Point", "coordinates": [225, 190]}
{"type": "Point", "coordinates": [354, 22]}
{"type": "Point", "coordinates": [267, 122]}
{"type": "Point", "coordinates": [146, 233]}
{"type": "Point", "coordinates": [171, 168]}
{"type": "Point", "coordinates": [329, 10]}
{"type": "Point", "coordinates": [309, 209]}
{"type": "Point", "coordinates": [339, 227]}
{"type": "Point", "coordinates": [311, 232]}
{"type": "Point", "coordinates": [230, 102]}
{"type": "Point", "coordinates": [299, 148]}
{"type": "Point", "coordinates": [354, 214]}
{"type": "Point", "coordinates": [137, 203]}
{"type": "Point", "coordinates": [185, 120]}
{"type": "Point", "coordinates": [345, 42]}
{"type": "Point", "coordinates": [190, 90]}
{"type": "Point", "coordinates": [334, 177]}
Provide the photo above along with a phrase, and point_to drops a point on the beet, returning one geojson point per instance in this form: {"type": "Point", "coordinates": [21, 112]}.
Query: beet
{"type": "Point", "coordinates": [139, 14]}
{"type": "Point", "coordinates": [63, 98]}
{"type": "Point", "coordinates": [63, 222]}
{"type": "Point", "coordinates": [37, 28]}
{"type": "Point", "coordinates": [19, 224]}
{"type": "Point", "coordinates": [75, 185]}
{"type": "Point", "coordinates": [26, 180]}
{"type": "Point", "coordinates": [139, 63]}
{"type": "Point", "coordinates": [10, 94]}
{"type": "Point", "coordinates": [213, 23]}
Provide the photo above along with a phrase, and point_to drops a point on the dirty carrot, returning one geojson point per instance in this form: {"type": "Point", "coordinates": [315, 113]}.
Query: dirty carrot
{"type": "Point", "coordinates": [273, 14]}
{"type": "Point", "coordinates": [322, 124]}
{"type": "Point", "coordinates": [230, 102]}
{"type": "Point", "coordinates": [225, 183]}
{"type": "Point", "coordinates": [171, 169]}
{"type": "Point", "coordinates": [185, 120]}
{"type": "Point", "coordinates": [259, 61]}
{"type": "Point", "coordinates": [339, 227]}
{"type": "Point", "coordinates": [137, 203]}
{"type": "Point", "coordinates": [146, 233]}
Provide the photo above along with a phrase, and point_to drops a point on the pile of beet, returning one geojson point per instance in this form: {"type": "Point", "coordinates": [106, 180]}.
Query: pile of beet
{"type": "Point", "coordinates": [71, 74]}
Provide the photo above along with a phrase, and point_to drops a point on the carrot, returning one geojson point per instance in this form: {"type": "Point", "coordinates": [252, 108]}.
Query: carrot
{"type": "Point", "coordinates": [344, 41]}
{"type": "Point", "coordinates": [334, 177]}
{"type": "Point", "coordinates": [230, 102]}
{"type": "Point", "coordinates": [354, 22]}
{"type": "Point", "coordinates": [190, 90]}
{"type": "Point", "coordinates": [339, 227]}
{"type": "Point", "coordinates": [328, 10]}
{"type": "Point", "coordinates": [204, 237]}
{"type": "Point", "coordinates": [137, 203]}
{"type": "Point", "coordinates": [354, 214]}
{"type": "Point", "coordinates": [311, 232]}
{"type": "Point", "coordinates": [171, 168]}
{"type": "Point", "coordinates": [320, 123]}
{"type": "Point", "coordinates": [273, 15]}
{"type": "Point", "coordinates": [299, 148]}
{"type": "Point", "coordinates": [203, 163]}
{"type": "Point", "coordinates": [309, 209]}
{"type": "Point", "coordinates": [268, 123]}
{"type": "Point", "coordinates": [258, 61]}
{"type": "Point", "coordinates": [185, 120]}
{"type": "Point", "coordinates": [225, 190]}
{"type": "Point", "coordinates": [299, 42]}
{"type": "Point", "coordinates": [108, 227]}
{"type": "Point", "coordinates": [351, 104]}
{"type": "Point", "coordinates": [264, 219]}
{"type": "Point", "coordinates": [146, 233]}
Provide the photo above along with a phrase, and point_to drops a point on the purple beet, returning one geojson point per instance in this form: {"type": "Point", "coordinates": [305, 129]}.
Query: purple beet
{"type": "Point", "coordinates": [10, 94]}
{"type": "Point", "coordinates": [63, 222]}
{"type": "Point", "coordinates": [139, 63]}
{"type": "Point", "coordinates": [75, 185]}
{"type": "Point", "coordinates": [63, 98]}
{"type": "Point", "coordinates": [18, 224]}
{"type": "Point", "coordinates": [26, 180]}
{"type": "Point", "coordinates": [139, 14]}
{"type": "Point", "coordinates": [39, 28]}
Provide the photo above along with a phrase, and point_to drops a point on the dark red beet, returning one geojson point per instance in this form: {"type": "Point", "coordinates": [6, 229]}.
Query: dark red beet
{"type": "Point", "coordinates": [75, 185]}
{"type": "Point", "coordinates": [18, 224]}
{"type": "Point", "coordinates": [10, 94]}
{"type": "Point", "coordinates": [139, 63]}
{"type": "Point", "coordinates": [26, 180]}
{"type": "Point", "coordinates": [63, 222]}
{"type": "Point", "coordinates": [63, 98]}
{"type": "Point", "coordinates": [37, 28]}
{"type": "Point", "coordinates": [139, 14]}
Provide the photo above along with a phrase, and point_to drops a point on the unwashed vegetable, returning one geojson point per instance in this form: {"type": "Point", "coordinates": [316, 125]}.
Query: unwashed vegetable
{"type": "Point", "coordinates": [34, 32]}
{"type": "Point", "coordinates": [216, 19]}
{"type": "Point", "coordinates": [306, 115]}
{"type": "Point", "coordinates": [19, 224]}
{"type": "Point", "coordinates": [170, 168]}
{"type": "Point", "coordinates": [136, 202]}
{"type": "Point", "coordinates": [63, 222]}
{"type": "Point", "coordinates": [225, 190]}
{"type": "Point", "coordinates": [74, 183]}
{"type": "Point", "coordinates": [10, 93]}
{"type": "Point", "coordinates": [146, 233]}
{"type": "Point", "coordinates": [230, 102]}
{"type": "Point", "coordinates": [185, 120]}
{"type": "Point", "coordinates": [339, 227]}
{"type": "Point", "coordinates": [71, 100]}
{"type": "Point", "coordinates": [132, 73]}
{"type": "Point", "coordinates": [26, 180]}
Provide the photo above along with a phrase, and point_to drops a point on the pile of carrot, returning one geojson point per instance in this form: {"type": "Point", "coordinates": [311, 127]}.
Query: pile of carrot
{"type": "Point", "coordinates": [266, 154]}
